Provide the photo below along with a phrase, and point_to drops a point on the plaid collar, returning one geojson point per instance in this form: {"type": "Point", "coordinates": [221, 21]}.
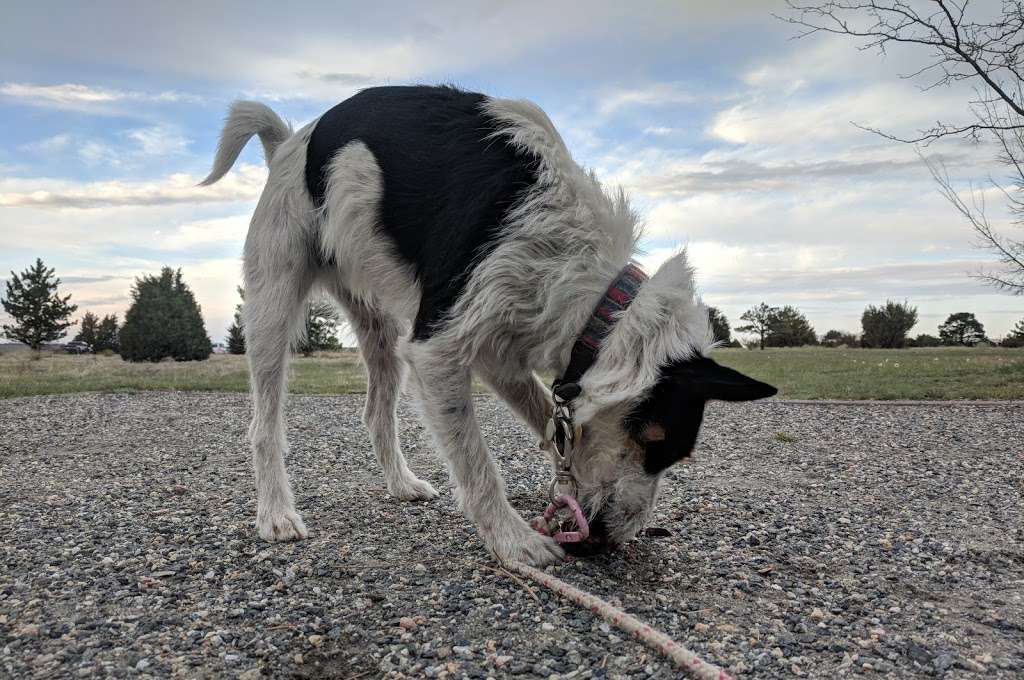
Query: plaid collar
{"type": "Point", "coordinates": [617, 298]}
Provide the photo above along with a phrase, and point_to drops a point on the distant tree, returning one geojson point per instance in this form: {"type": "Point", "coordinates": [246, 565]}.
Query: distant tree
{"type": "Point", "coordinates": [236, 338]}
{"type": "Point", "coordinates": [40, 314]}
{"type": "Point", "coordinates": [164, 320]}
{"type": "Point", "coordinates": [787, 327]}
{"type": "Point", "coordinates": [1015, 338]}
{"type": "Point", "coordinates": [887, 326]}
{"type": "Point", "coordinates": [720, 326]}
{"type": "Point", "coordinates": [321, 328]}
{"type": "Point", "coordinates": [925, 340]}
{"type": "Point", "coordinates": [757, 319]}
{"type": "Point", "coordinates": [836, 338]}
{"type": "Point", "coordinates": [87, 330]}
{"type": "Point", "coordinates": [962, 328]}
{"type": "Point", "coordinates": [107, 335]}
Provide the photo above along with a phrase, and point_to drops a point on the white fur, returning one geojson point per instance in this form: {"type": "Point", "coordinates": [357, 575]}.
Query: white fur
{"type": "Point", "coordinates": [522, 308]}
{"type": "Point", "coordinates": [246, 119]}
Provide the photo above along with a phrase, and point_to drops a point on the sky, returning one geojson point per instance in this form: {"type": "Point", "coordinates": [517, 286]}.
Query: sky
{"type": "Point", "coordinates": [734, 140]}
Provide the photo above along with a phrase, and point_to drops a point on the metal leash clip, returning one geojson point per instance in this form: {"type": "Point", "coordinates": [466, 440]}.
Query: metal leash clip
{"type": "Point", "coordinates": [563, 434]}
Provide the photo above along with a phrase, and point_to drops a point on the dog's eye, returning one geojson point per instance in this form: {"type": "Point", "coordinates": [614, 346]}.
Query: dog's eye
{"type": "Point", "coordinates": [653, 432]}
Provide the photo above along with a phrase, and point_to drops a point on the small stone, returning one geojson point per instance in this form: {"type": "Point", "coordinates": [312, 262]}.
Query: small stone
{"type": "Point", "coordinates": [700, 627]}
{"type": "Point", "coordinates": [817, 614]}
{"type": "Point", "coordinates": [142, 664]}
{"type": "Point", "coordinates": [407, 623]}
{"type": "Point", "coordinates": [547, 627]}
{"type": "Point", "coordinates": [500, 661]}
{"type": "Point", "coordinates": [316, 640]}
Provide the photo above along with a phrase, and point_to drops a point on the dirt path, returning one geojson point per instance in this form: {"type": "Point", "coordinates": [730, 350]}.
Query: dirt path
{"type": "Point", "coordinates": [808, 539]}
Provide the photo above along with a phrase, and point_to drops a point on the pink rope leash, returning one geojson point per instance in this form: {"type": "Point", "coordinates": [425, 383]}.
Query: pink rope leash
{"type": "Point", "coordinates": [656, 640]}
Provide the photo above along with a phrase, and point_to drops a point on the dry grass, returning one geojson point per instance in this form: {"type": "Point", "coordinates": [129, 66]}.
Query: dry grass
{"type": "Point", "coordinates": [811, 373]}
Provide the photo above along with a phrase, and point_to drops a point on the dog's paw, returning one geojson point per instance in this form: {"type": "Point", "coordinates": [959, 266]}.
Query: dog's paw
{"type": "Point", "coordinates": [412, 489]}
{"type": "Point", "coordinates": [280, 525]}
{"type": "Point", "coordinates": [525, 545]}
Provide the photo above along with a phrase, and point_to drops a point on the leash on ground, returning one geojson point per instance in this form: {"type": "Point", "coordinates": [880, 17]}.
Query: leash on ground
{"type": "Point", "coordinates": [656, 640]}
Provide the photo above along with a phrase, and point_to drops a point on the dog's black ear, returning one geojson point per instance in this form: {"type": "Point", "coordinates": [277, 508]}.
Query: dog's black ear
{"type": "Point", "coordinates": [715, 381]}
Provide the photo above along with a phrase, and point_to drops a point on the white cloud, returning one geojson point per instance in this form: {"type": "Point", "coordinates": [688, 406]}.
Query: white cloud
{"type": "Point", "coordinates": [243, 184]}
{"type": "Point", "coordinates": [47, 145]}
{"type": "Point", "coordinates": [652, 94]}
{"type": "Point", "coordinates": [160, 140]}
{"type": "Point", "coordinates": [223, 230]}
{"type": "Point", "coordinates": [79, 97]}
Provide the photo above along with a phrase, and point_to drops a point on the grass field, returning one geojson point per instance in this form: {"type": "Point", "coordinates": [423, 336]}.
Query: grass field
{"type": "Point", "coordinates": [804, 373]}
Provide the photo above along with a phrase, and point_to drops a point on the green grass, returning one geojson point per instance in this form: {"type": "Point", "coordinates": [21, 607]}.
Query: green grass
{"type": "Point", "coordinates": [21, 374]}
{"type": "Point", "coordinates": [804, 373]}
{"type": "Point", "coordinates": [920, 373]}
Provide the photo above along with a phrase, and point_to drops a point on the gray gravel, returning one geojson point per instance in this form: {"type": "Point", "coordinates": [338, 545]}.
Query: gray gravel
{"type": "Point", "coordinates": [817, 540]}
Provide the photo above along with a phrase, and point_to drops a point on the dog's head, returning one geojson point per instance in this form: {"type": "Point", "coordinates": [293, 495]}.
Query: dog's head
{"type": "Point", "coordinates": [625, 450]}
{"type": "Point", "coordinates": [643, 401]}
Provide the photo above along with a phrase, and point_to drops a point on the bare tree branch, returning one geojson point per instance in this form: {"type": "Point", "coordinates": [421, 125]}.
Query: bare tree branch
{"type": "Point", "coordinates": [989, 54]}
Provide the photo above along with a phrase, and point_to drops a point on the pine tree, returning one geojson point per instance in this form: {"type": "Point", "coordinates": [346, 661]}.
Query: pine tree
{"type": "Point", "coordinates": [719, 326]}
{"type": "Point", "coordinates": [87, 328]}
{"type": "Point", "coordinates": [236, 338]}
{"type": "Point", "coordinates": [321, 328]}
{"type": "Point", "coordinates": [164, 320]}
{"type": "Point", "coordinates": [107, 335]}
{"type": "Point", "coordinates": [1018, 330]}
{"type": "Point", "coordinates": [40, 314]}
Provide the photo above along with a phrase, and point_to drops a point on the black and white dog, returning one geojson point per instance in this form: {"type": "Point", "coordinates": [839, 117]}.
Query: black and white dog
{"type": "Point", "coordinates": [465, 218]}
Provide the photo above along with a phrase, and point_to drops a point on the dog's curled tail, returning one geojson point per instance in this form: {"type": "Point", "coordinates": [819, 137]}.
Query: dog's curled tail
{"type": "Point", "coordinates": [246, 119]}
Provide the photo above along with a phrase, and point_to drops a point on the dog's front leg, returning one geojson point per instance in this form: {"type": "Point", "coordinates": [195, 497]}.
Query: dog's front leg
{"type": "Point", "coordinates": [445, 398]}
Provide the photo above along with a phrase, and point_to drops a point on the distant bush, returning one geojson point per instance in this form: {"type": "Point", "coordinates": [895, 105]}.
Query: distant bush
{"type": "Point", "coordinates": [925, 340]}
{"type": "Point", "coordinates": [836, 338]}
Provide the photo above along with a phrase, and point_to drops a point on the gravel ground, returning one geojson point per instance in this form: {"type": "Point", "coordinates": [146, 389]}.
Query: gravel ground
{"type": "Point", "coordinates": [817, 540]}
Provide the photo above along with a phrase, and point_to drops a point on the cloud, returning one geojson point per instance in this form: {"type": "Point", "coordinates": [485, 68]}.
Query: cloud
{"type": "Point", "coordinates": [79, 97]}
{"type": "Point", "coordinates": [160, 140]}
{"type": "Point", "coordinates": [47, 145]}
{"type": "Point", "coordinates": [652, 94]}
{"type": "Point", "coordinates": [224, 230]}
{"type": "Point", "coordinates": [243, 184]}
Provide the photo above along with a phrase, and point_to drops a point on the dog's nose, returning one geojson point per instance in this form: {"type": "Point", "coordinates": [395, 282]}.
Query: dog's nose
{"type": "Point", "coordinates": [587, 548]}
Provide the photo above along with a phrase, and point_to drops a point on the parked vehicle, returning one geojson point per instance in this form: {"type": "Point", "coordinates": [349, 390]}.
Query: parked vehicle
{"type": "Point", "coordinates": [77, 347]}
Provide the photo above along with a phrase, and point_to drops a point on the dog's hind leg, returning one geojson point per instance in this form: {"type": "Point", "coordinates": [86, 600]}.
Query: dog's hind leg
{"type": "Point", "coordinates": [277, 281]}
{"type": "Point", "coordinates": [378, 334]}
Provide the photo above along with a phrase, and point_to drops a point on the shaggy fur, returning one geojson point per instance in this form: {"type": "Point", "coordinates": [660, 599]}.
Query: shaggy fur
{"type": "Point", "coordinates": [544, 241]}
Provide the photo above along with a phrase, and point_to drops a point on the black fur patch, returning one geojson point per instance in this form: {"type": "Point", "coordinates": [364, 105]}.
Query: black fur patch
{"type": "Point", "coordinates": [446, 187]}
{"type": "Point", "coordinates": [676, 404]}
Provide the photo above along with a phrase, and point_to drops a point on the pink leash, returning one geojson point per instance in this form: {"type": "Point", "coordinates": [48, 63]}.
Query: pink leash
{"type": "Point", "coordinates": [547, 524]}
{"type": "Point", "coordinates": [544, 523]}
{"type": "Point", "coordinates": [681, 656]}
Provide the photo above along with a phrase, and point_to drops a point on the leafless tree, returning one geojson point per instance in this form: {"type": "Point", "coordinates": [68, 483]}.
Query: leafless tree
{"type": "Point", "coordinates": [986, 54]}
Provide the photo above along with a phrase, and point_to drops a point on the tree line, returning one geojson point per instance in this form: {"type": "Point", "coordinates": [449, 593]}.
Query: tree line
{"type": "Point", "coordinates": [885, 326]}
{"type": "Point", "coordinates": [163, 319]}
